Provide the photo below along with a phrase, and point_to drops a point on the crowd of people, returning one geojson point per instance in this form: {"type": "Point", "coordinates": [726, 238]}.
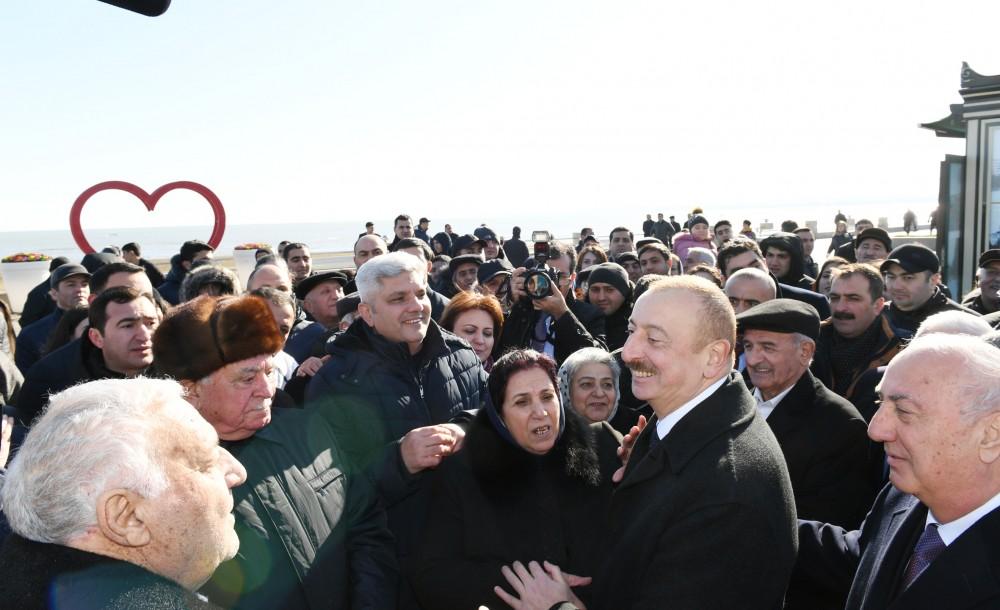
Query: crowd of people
{"type": "Point", "coordinates": [694, 418]}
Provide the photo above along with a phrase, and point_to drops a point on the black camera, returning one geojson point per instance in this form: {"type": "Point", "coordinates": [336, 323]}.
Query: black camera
{"type": "Point", "coordinates": [541, 281]}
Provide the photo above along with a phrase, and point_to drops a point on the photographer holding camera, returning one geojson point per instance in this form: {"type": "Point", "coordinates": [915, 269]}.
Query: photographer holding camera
{"type": "Point", "coordinates": [546, 316]}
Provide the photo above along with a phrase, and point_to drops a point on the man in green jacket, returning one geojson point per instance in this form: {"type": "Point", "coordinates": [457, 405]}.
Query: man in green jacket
{"type": "Point", "coordinates": [311, 531]}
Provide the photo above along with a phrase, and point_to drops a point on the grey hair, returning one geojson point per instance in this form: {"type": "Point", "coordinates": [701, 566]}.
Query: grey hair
{"type": "Point", "coordinates": [92, 437]}
{"type": "Point", "coordinates": [953, 323]}
{"type": "Point", "coordinates": [752, 273]}
{"type": "Point", "coordinates": [974, 369]}
{"type": "Point", "coordinates": [206, 275]}
{"type": "Point", "coordinates": [702, 256]}
{"type": "Point", "coordinates": [371, 274]}
{"type": "Point", "coordinates": [587, 355]}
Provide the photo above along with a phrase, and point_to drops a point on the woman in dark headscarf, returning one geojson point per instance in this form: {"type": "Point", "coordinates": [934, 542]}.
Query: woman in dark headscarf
{"type": "Point", "coordinates": [532, 483]}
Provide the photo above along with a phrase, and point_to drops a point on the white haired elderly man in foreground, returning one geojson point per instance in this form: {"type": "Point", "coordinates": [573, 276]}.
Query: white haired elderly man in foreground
{"type": "Point", "coordinates": [118, 498]}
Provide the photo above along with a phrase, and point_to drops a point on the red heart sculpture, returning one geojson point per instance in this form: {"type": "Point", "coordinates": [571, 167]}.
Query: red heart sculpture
{"type": "Point", "coordinates": [149, 200]}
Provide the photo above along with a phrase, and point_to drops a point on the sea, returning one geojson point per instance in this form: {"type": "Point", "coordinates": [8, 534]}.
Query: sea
{"type": "Point", "coordinates": [164, 242]}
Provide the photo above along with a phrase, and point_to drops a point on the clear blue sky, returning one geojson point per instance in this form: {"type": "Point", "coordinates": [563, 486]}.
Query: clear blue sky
{"type": "Point", "coordinates": [349, 110]}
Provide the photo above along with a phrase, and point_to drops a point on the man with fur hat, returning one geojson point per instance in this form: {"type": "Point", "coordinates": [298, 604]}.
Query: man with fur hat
{"type": "Point", "coordinates": [311, 534]}
{"type": "Point", "coordinates": [394, 381]}
{"type": "Point", "coordinates": [611, 291]}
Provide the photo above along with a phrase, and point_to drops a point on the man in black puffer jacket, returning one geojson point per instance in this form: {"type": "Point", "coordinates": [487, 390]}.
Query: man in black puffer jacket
{"type": "Point", "coordinates": [394, 381]}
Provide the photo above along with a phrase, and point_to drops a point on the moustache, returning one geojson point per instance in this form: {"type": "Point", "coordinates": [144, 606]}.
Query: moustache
{"type": "Point", "coordinates": [640, 368]}
{"type": "Point", "coordinates": [843, 315]}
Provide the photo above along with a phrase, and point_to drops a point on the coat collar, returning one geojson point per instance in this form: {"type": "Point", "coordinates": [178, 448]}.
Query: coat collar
{"type": "Point", "coordinates": [729, 408]}
{"type": "Point", "coordinates": [799, 402]}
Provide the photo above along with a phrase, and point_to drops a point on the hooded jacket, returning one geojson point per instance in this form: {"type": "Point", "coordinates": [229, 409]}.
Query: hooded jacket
{"type": "Point", "coordinates": [789, 242]}
{"type": "Point", "coordinates": [495, 503]}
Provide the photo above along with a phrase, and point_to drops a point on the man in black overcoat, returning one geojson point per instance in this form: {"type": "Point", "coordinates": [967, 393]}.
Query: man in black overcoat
{"type": "Point", "coordinates": [704, 517]}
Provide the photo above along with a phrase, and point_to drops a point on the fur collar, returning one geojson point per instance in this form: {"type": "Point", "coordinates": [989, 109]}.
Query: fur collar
{"type": "Point", "coordinates": [497, 463]}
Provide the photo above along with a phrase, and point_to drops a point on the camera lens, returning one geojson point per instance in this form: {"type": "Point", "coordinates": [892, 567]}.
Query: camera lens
{"type": "Point", "coordinates": [537, 284]}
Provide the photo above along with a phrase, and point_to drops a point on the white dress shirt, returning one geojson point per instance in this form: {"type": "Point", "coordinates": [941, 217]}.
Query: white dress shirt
{"type": "Point", "coordinates": [664, 425]}
{"type": "Point", "coordinates": [766, 406]}
{"type": "Point", "coordinates": [953, 529]}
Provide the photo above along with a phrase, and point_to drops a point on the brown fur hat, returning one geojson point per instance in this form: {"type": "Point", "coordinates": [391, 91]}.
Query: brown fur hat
{"type": "Point", "coordinates": [203, 335]}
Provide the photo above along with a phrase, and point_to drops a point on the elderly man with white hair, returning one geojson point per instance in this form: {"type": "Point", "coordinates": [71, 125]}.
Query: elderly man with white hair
{"type": "Point", "coordinates": [930, 539]}
{"type": "Point", "coordinates": [394, 381]}
{"type": "Point", "coordinates": [119, 498]}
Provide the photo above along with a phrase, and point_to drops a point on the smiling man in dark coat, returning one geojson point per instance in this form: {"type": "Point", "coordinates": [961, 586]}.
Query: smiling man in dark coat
{"type": "Point", "coordinates": [822, 436]}
{"type": "Point", "coordinates": [704, 517]}
{"type": "Point", "coordinates": [930, 540]}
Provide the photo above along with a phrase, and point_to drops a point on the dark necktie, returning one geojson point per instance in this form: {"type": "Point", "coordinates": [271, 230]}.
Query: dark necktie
{"type": "Point", "coordinates": [929, 546]}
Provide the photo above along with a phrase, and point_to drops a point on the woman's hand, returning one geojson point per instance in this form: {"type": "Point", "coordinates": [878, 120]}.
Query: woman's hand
{"type": "Point", "coordinates": [539, 589]}
{"type": "Point", "coordinates": [628, 442]}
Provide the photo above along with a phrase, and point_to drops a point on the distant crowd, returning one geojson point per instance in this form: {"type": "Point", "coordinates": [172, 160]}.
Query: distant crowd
{"type": "Point", "coordinates": [691, 418]}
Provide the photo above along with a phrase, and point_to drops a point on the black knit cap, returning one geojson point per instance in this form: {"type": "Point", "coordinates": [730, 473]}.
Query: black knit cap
{"type": "Point", "coordinates": [698, 219]}
{"type": "Point", "coordinates": [612, 274]}
{"type": "Point", "coordinates": [491, 268]}
{"type": "Point", "coordinates": [781, 316]}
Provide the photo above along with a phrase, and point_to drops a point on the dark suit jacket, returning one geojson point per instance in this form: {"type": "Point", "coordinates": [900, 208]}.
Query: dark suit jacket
{"type": "Point", "coordinates": [825, 443]}
{"type": "Point", "coordinates": [704, 518]}
{"type": "Point", "coordinates": [963, 577]}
